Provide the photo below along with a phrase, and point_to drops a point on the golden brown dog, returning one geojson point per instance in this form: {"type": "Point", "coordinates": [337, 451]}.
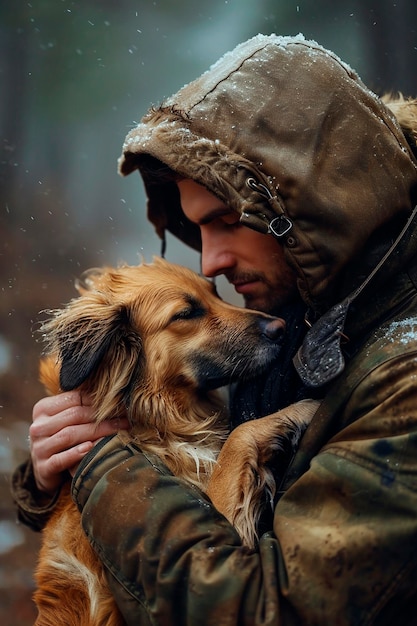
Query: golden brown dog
{"type": "Point", "coordinates": [154, 342]}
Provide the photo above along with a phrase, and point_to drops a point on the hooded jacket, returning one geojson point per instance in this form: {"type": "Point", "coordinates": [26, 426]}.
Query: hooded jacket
{"type": "Point", "coordinates": [287, 134]}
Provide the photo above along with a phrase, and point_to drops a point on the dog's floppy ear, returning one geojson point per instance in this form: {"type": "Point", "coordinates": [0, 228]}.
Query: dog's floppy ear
{"type": "Point", "coordinates": [82, 352]}
{"type": "Point", "coordinates": [98, 346]}
{"type": "Point", "coordinates": [84, 333]}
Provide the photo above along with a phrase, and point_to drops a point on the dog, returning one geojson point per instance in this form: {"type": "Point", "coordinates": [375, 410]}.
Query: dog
{"type": "Point", "coordinates": [155, 343]}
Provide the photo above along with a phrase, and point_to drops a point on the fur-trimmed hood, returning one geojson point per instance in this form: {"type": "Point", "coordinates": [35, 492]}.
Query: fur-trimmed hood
{"type": "Point", "coordinates": [288, 135]}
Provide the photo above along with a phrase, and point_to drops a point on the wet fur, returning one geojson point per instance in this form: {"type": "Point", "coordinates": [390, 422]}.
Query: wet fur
{"type": "Point", "coordinates": [153, 342]}
{"type": "Point", "coordinates": [405, 110]}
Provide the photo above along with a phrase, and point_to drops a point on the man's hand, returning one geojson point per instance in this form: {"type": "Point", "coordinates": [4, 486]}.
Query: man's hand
{"type": "Point", "coordinates": [61, 434]}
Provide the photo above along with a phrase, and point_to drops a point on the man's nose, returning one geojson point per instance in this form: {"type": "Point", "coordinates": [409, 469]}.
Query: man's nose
{"type": "Point", "coordinates": [216, 256]}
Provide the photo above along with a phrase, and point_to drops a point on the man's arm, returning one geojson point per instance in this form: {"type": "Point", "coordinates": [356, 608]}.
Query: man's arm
{"type": "Point", "coordinates": [343, 542]}
{"type": "Point", "coordinates": [34, 507]}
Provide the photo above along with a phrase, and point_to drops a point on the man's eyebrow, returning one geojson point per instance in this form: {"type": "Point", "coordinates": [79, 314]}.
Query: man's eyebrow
{"type": "Point", "coordinates": [214, 214]}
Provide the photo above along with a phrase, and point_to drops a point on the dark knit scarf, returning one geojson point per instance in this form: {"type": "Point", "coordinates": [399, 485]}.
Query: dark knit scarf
{"type": "Point", "coordinates": [280, 385]}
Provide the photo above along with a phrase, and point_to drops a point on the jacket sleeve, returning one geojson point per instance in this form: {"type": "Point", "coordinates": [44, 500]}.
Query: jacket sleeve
{"type": "Point", "coordinates": [343, 550]}
{"type": "Point", "coordinates": [34, 508]}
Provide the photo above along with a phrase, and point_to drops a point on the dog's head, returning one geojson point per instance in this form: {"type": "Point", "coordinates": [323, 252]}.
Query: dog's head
{"type": "Point", "coordinates": [155, 329]}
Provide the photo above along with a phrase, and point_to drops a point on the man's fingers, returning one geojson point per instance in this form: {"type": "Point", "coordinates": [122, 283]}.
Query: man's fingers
{"type": "Point", "coordinates": [49, 472]}
{"type": "Point", "coordinates": [63, 430]}
{"type": "Point", "coordinates": [49, 442]}
{"type": "Point", "coordinates": [52, 405]}
{"type": "Point", "coordinates": [58, 463]}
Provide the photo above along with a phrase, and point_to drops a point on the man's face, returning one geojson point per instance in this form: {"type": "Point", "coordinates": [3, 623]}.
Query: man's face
{"type": "Point", "coordinates": [254, 263]}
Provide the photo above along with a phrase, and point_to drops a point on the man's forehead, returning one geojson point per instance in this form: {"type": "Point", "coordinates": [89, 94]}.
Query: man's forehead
{"type": "Point", "coordinates": [199, 204]}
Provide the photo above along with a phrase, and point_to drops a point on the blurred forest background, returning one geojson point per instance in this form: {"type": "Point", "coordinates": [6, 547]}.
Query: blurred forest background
{"type": "Point", "coordinates": [75, 76]}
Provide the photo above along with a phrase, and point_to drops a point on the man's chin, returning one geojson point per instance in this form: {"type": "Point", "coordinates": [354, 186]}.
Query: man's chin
{"type": "Point", "coordinates": [258, 304]}
{"type": "Point", "coordinates": [265, 305]}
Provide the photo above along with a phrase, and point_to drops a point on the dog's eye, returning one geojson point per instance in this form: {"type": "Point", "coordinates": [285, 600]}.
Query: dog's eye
{"type": "Point", "coordinates": [188, 313]}
{"type": "Point", "coordinates": [192, 309]}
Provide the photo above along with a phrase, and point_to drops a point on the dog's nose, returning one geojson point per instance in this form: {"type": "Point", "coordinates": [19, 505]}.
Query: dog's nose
{"type": "Point", "coordinates": [273, 328]}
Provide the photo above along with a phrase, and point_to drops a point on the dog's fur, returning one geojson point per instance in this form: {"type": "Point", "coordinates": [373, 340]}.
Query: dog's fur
{"type": "Point", "coordinates": [153, 342]}
{"type": "Point", "coordinates": [405, 110]}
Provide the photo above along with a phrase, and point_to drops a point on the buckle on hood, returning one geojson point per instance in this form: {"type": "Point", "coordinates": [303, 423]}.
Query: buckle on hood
{"type": "Point", "coordinates": [280, 226]}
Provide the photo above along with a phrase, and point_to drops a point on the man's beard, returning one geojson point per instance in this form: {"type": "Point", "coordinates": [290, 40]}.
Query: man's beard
{"type": "Point", "coordinates": [269, 305]}
{"type": "Point", "coordinates": [271, 301]}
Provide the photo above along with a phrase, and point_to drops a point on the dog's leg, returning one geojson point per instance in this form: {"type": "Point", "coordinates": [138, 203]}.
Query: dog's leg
{"type": "Point", "coordinates": [241, 480]}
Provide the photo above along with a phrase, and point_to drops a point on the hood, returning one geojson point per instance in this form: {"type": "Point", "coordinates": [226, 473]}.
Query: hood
{"type": "Point", "coordinates": [287, 134]}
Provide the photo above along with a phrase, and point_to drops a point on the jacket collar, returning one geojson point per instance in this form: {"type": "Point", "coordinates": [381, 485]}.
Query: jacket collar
{"type": "Point", "coordinates": [320, 358]}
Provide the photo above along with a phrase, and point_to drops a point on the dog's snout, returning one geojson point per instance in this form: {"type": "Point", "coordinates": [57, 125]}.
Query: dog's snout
{"type": "Point", "coordinates": [273, 328]}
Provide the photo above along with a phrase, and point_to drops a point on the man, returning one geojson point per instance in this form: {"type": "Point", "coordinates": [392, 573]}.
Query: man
{"type": "Point", "coordinates": [299, 185]}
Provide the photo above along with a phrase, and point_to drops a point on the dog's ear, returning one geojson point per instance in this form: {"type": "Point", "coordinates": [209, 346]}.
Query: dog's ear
{"type": "Point", "coordinates": [89, 279]}
{"type": "Point", "coordinates": [84, 345]}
